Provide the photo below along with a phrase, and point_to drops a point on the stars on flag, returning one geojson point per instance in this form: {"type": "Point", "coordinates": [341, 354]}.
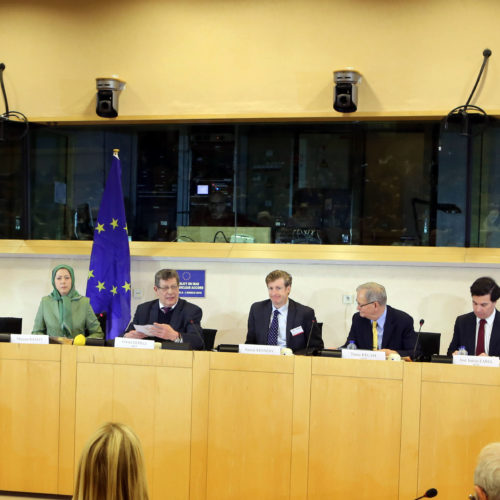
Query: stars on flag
{"type": "Point", "coordinates": [114, 224]}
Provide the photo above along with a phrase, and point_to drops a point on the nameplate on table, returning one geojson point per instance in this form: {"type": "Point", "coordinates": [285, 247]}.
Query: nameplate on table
{"type": "Point", "coordinates": [363, 354]}
{"type": "Point", "coordinates": [460, 359]}
{"type": "Point", "coordinates": [274, 350]}
{"type": "Point", "coordinates": [134, 343]}
{"type": "Point", "coordinates": [18, 338]}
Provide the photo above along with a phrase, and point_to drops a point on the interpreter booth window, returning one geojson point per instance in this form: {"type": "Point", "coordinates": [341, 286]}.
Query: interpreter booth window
{"type": "Point", "coordinates": [13, 185]}
{"type": "Point", "coordinates": [368, 183]}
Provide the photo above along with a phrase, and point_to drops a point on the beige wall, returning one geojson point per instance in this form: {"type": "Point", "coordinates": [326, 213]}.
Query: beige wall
{"type": "Point", "coordinates": [216, 57]}
{"type": "Point", "coordinates": [222, 57]}
{"type": "Point", "coordinates": [437, 293]}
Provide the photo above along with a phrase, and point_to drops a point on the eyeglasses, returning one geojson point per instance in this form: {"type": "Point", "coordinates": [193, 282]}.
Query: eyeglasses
{"type": "Point", "coordinates": [167, 288]}
{"type": "Point", "coordinates": [367, 304]}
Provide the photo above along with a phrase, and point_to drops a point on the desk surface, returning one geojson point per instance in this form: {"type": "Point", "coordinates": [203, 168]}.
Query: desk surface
{"type": "Point", "coordinates": [225, 426]}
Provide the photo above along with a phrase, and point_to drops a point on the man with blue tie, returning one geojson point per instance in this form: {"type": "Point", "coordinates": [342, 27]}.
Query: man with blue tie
{"type": "Point", "coordinates": [280, 320]}
{"type": "Point", "coordinates": [479, 330]}
{"type": "Point", "coordinates": [377, 326]}
{"type": "Point", "coordinates": [173, 319]}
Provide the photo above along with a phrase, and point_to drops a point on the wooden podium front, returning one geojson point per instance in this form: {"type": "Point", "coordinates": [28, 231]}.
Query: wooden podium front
{"type": "Point", "coordinates": [233, 426]}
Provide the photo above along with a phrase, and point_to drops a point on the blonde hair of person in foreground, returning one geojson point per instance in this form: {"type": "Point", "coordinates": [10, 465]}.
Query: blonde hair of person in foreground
{"type": "Point", "coordinates": [111, 466]}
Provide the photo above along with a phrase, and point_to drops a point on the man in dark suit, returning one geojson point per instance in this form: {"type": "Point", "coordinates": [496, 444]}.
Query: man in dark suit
{"type": "Point", "coordinates": [479, 330]}
{"type": "Point", "coordinates": [377, 326]}
{"type": "Point", "coordinates": [173, 319]}
{"type": "Point", "coordinates": [280, 320]}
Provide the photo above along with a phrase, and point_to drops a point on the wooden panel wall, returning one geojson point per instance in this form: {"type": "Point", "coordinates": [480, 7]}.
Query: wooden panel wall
{"type": "Point", "coordinates": [225, 426]}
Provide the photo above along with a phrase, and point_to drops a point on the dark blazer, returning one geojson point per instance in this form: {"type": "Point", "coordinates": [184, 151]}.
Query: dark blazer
{"type": "Point", "coordinates": [149, 313]}
{"type": "Point", "coordinates": [399, 334]}
{"type": "Point", "coordinates": [298, 315]}
{"type": "Point", "coordinates": [464, 334]}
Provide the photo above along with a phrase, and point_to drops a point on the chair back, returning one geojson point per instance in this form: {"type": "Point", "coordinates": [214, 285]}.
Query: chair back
{"type": "Point", "coordinates": [209, 338]}
{"type": "Point", "coordinates": [11, 325]}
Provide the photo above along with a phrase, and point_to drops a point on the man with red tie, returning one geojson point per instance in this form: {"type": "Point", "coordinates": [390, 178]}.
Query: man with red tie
{"type": "Point", "coordinates": [479, 331]}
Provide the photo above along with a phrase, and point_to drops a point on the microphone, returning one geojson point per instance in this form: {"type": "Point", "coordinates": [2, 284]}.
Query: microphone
{"type": "Point", "coordinates": [421, 322]}
{"type": "Point", "coordinates": [310, 334]}
{"type": "Point", "coordinates": [198, 329]}
{"type": "Point", "coordinates": [431, 493]}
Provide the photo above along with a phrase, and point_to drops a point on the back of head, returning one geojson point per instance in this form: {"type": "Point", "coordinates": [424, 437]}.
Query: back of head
{"type": "Point", "coordinates": [485, 286]}
{"type": "Point", "coordinates": [487, 473]}
{"type": "Point", "coordinates": [111, 466]}
{"type": "Point", "coordinates": [374, 292]}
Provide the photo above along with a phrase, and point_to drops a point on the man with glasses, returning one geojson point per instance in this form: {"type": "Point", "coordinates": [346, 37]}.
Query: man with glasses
{"type": "Point", "coordinates": [378, 326]}
{"type": "Point", "coordinates": [173, 319]}
{"type": "Point", "coordinates": [486, 476]}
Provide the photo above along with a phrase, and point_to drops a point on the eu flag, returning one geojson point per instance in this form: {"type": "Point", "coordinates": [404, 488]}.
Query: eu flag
{"type": "Point", "coordinates": [108, 285]}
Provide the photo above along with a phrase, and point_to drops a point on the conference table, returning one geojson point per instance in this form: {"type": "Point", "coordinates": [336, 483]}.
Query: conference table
{"type": "Point", "coordinates": [236, 426]}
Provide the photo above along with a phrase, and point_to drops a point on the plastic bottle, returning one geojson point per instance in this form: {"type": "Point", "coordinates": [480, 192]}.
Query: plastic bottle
{"type": "Point", "coordinates": [462, 351]}
{"type": "Point", "coordinates": [351, 345]}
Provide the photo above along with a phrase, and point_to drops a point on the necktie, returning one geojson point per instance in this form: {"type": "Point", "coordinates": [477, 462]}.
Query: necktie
{"type": "Point", "coordinates": [166, 309]}
{"type": "Point", "coordinates": [272, 336]}
{"type": "Point", "coordinates": [480, 338]}
{"type": "Point", "coordinates": [375, 336]}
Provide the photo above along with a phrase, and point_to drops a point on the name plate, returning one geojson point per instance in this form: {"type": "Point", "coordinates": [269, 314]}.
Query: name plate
{"type": "Point", "coordinates": [17, 338]}
{"type": "Point", "coordinates": [460, 359]}
{"type": "Point", "coordinates": [363, 354]}
{"type": "Point", "coordinates": [134, 343]}
{"type": "Point", "coordinates": [274, 350]}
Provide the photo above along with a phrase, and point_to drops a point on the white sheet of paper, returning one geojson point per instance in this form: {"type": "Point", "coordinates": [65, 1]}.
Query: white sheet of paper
{"type": "Point", "coordinates": [146, 329]}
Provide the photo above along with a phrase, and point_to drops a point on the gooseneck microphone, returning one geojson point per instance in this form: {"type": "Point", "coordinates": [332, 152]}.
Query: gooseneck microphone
{"type": "Point", "coordinates": [421, 322]}
{"type": "Point", "coordinates": [431, 493]}
{"type": "Point", "coordinates": [198, 329]}
{"type": "Point", "coordinates": [310, 334]}
{"type": "Point", "coordinates": [463, 110]}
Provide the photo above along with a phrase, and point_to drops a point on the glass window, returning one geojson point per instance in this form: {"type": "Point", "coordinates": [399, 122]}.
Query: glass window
{"type": "Point", "coordinates": [369, 183]}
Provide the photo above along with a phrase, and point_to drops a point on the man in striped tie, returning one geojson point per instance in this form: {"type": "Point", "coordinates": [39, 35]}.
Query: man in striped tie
{"type": "Point", "coordinates": [280, 320]}
{"type": "Point", "coordinates": [377, 326]}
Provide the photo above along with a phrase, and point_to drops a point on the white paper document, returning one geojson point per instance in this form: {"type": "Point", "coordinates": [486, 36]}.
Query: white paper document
{"type": "Point", "coordinates": [148, 330]}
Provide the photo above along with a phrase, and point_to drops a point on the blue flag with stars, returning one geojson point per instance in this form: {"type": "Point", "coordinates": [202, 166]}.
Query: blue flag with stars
{"type": "Point", "coordinates": [108, 284]}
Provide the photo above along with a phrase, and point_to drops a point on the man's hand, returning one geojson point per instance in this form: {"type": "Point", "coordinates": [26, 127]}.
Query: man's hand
{"type": "Point", "coordinates": [164, 331]}
{"type": "Point", "coordinates": [134, 334]}
{"type": "Point", "coordinates": [388, 351]}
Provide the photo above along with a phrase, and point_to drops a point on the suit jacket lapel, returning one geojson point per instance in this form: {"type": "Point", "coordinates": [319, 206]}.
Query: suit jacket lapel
{"type": "Point", "coordinates": [290, 320]}
{"type": "Point", "coordinates": [262, 322]}
{"type": "Point", "coordinates": [175, 320]}
{"type": "Point", "coordinates": [153, 312]}
{"type": "Point", "coordinates": [388, 328]}
{"type": "Point", "coordinates": [495, 336]}
{"type": "Point", "coordinates": [470, 345]}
